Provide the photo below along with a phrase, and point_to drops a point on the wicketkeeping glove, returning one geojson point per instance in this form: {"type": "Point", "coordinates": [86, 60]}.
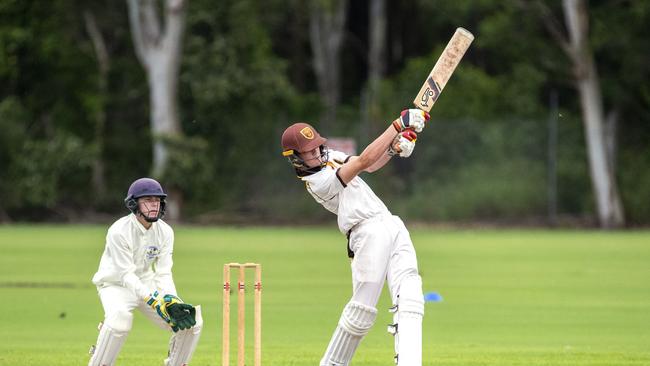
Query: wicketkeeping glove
{"type": "Point", "coordinates": [413, 119]}
{"type": "Point", "coordinates": [403, 144]}
{"type": "Point", "coordinates": [172, 310]}
{"type": "Point", "coordinates": [157, 302]}
{"type": "Point", "coordinates": [182, 315]}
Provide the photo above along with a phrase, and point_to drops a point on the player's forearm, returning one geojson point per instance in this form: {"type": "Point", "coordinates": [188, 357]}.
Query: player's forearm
{"type": "Point", "coordinates": [379, 163]}
{"type": "Point", "coordinates": [370, 156]}
{"type": "Point", "coordinates": [377, 149]}
{"type": "Point", "coordinates": [165, 283]}
{"type": "Point", "coordinates": [133, 283]}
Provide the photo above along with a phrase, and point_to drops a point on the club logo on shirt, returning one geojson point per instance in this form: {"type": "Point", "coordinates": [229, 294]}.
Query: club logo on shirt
{"type": "Point", "coordinates": [152, 252]}
{"type": "Point", "coordinates": [307, 133]}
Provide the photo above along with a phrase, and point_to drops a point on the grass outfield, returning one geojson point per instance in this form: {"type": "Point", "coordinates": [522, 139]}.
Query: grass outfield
{"type": "Point", "coordinates": [510, 297]}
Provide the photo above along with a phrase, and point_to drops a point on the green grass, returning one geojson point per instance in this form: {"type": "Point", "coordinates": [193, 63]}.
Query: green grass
{"type": "Point", "coordinates": [510, 297]}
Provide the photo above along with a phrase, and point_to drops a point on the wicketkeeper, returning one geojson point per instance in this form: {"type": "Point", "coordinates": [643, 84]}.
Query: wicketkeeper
{"type": "Point", "coordinates": [135, 272]}
{"type": "Point", "coordinates": [378, 241]}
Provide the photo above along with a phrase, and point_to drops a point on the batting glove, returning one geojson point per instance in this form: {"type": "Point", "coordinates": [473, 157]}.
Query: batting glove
{"type": "Point", "coordinates": [412, 119]}
{"type": "Point", "coordinates": [403, 144]}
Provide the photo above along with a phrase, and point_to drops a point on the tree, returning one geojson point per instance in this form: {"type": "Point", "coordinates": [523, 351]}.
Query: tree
{"type": "Point", "coordinates": [598, 131]}
{"type": "Point", "coordinates": [376, 61]}
{"type": "Point", "coordinates": [239, 105]}
{"type": "Point", "coordinates": [158, 47]}
{"type": "Point", "coordinates": [377, 42]}
{"type": "Point", "coordinates": [104, 64]}
{"type": "Point", "coordinates": [326, 29]}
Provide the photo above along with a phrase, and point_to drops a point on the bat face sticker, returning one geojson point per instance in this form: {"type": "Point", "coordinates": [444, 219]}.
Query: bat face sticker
{"type": "Point", "coordinates": [431, 93]}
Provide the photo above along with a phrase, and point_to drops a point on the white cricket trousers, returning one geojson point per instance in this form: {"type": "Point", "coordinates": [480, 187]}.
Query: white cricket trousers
{"type": "Point", "coordinates": [119, 303]}
{"type": "Point", "coordinates": [383, 251]}
{"type": "Point", "coordinates": [116, 298]}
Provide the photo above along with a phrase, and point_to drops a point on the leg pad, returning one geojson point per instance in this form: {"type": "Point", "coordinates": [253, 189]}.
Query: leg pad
{"type": "Point", "coordinates": [112, 334]}
{"type": "Point", "coordinates": [183, 343]}
{"type": "Point", "coordinates": [408, 322]}
{"type": "Point", "coordinates": [355, 322]}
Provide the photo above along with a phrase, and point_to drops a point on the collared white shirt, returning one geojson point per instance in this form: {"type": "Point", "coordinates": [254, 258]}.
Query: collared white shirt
{"type": "Point", "coordinates": [352, 203]}
{"type": "Point", "coordinates": [137, 258]}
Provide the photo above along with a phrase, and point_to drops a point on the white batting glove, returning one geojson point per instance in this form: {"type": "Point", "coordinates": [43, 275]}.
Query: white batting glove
{"type": "Point", "coordinates": [412, 119]}
{"type": "Point", "coordinates": [403, 144]}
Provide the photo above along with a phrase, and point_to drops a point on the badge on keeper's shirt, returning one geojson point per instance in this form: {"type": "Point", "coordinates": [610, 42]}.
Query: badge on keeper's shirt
{"type": "Point", "coordinates": [152, 252]}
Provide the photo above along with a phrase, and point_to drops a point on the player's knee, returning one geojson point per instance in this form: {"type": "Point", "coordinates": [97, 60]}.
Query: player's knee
{"type": "Point", "coordinates": [357, 318]}
{"type": "Point", "coordinates": [120, 321]}
{"type": "Point", "coordinates": [411, 299]}
{"type": "Point", "coordinates": [367, 293]}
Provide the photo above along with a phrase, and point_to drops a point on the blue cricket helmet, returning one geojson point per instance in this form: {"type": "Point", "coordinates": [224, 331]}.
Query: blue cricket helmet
{"type": "Point", "coordinates": [145, 187]}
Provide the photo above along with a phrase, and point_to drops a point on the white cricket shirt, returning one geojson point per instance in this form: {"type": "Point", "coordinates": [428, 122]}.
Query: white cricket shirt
{"type": "Point", "coordinates": [352, 203]}
{"type": "Point", "coordinates": [137, 258]}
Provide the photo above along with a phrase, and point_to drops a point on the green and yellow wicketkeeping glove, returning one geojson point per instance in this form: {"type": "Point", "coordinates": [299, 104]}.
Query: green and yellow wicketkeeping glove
{"type": "Point", "coordinates": [157, 302]}
{"type": "Point", "coordinates": [172, 310]}
{"type": "Point", "coordinates": [183, 315]}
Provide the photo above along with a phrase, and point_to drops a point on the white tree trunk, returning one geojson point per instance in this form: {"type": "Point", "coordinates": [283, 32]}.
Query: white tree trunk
{"type": "Point", "coordinates": [164, 111]}
{"type": "Point", "coordinates": [326, 28]}
{"type": "Point", "coordinates": [159, 52]}
{"type": "Point", "coordinates": [610, 209]}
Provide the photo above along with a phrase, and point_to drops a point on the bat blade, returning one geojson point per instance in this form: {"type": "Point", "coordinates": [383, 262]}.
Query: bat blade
{"type": "Point", "coordinates": [442, 70]}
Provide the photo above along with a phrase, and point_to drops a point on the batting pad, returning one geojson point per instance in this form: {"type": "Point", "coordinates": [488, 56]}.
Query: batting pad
{"type": "Point", "coordinates": [410, 310]}
{"type": "Point", "coordinates": [183, 343]}
{"type": "Point", "coordinates": [355, 322]}
{"type": "Point", "coordinates": [112, 335]}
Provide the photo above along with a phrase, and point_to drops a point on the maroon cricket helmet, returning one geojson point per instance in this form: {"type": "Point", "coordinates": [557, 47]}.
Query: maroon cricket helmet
{"type": "Point", "coordinates": [300, 137]}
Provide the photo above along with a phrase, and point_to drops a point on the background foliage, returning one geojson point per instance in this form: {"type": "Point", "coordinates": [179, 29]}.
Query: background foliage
{"type": "Point", "coordinates": [247, 73]}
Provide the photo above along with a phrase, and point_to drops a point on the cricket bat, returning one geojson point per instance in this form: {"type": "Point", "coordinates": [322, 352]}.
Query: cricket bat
{"type": "Point", "coordinates": [442, 70]}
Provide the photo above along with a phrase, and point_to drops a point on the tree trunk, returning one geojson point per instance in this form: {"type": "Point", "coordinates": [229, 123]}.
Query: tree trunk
{"type": "Point", "coordinates": [159, 51]}
{"type": "Point", "coordinates": [376, 65]}
{"type": "Point", "coordinates": [103, 61]}
{"type": "Point", "coordinates": [377, 40]}
{"type": "Point", "coordinates": [298, 22]}
{"type": "Point", "coordinates": [326, 28]}
{"type": "Point", "coordinates": [611, 133]}
{"type": "Point", "coordinates": [610, 209]}
{"type": "Point", "coordinates": [163, 80]}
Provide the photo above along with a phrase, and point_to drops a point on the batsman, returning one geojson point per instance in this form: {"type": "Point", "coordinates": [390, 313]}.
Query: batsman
{"type": "Point", "coordinates": [135, 272]}
{"type": "Point", "coordinates": [378, 242]}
